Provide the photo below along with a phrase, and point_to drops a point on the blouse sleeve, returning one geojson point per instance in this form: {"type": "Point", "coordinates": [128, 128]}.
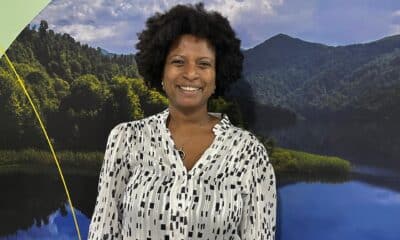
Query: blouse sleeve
{"type": "Point", "coordinates": [259, 211]}
{"type": "Point", "coordinates": [106, 219]}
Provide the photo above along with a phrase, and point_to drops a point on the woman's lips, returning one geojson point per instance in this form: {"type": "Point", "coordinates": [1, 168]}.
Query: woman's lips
{"type": "Point", "coordinates": [189, 89]}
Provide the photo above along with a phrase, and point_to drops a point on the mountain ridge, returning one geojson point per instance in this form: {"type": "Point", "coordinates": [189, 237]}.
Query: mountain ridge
{"type": "Point", "coordinates": [311, 77]}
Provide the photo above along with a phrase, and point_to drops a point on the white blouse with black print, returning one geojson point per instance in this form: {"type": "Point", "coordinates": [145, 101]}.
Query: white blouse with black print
{"type": "Point", "coordinates": [145, 191]}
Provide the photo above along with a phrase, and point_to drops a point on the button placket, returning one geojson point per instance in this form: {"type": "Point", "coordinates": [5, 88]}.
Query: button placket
{"type": "Point", "coordinates": [185, 204]}
{"type": "Point", "coordinates": [180, 210]}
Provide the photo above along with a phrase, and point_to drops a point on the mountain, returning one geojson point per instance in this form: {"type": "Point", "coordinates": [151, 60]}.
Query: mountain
{"type": "Point", "coordinates": [105, 52]}
{"type": "Point", "coordinates": [312, 78]}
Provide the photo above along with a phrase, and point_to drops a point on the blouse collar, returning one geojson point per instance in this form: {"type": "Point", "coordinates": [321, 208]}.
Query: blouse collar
{"type": "Point", "coordinates": [221, 126]}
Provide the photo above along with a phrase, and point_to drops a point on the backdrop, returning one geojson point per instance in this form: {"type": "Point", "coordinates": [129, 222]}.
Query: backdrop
{"type": "Point", "coordinates": [321, 90]}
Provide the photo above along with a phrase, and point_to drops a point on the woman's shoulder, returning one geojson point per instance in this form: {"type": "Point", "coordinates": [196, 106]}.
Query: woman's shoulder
{"type": "Point", "coordinates": [139, 123]}
{"type": "Point", "coordinates": [245, 135]}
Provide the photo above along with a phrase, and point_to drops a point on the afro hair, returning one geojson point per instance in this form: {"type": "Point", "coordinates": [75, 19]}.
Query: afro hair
{"type": "Point", "coordinates": [163, 29]}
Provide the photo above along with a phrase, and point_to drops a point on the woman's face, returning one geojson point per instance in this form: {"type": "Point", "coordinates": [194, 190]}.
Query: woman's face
{"type": "Point", "coordinates": [189, 72]}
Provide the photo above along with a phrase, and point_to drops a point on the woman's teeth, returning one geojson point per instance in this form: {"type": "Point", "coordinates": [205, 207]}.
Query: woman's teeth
{"type": "Point", "coordinates": [189, 88]}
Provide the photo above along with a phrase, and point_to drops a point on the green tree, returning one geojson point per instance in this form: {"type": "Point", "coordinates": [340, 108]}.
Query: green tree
{"type": "Point", "coordinates": [232, 109]}
{"type": "Point", "coordinates": [18, 126]}
{"type": "Point", "coordinates": [87, 94]}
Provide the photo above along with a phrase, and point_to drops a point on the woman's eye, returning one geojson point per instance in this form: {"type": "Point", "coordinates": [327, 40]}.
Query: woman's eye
{"type": "Point", "coordinates": [205, 64]}
{"type": "Point", "coordinates": [177, 62]}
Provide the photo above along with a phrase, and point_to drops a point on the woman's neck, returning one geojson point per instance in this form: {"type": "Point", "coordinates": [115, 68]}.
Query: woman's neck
{"type": "Point", "coordinates": [188, 119]}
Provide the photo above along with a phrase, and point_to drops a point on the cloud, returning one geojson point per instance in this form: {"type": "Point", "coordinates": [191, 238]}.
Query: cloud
{"type": "Point", "coordinates": [386, 197]}
{"type": "Point", "coordinates": [395, 22]}
{"type": "Point", "coordinates": [237, 11]}
{"type": "Point", "coordinates": [113, 24]}
{"type": "Point", "coordinates": [88, 33]}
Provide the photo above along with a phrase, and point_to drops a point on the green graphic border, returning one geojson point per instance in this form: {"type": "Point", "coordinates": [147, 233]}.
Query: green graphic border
{"type": "Point", "coordinates": [14, 16]}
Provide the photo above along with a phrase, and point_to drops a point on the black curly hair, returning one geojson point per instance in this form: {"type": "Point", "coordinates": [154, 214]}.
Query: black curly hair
{"type": "Point", "coordinates": [163, 28]}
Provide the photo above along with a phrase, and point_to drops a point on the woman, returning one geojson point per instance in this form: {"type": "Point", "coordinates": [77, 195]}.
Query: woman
{"type": "Point", "coordinates": [186, 173]}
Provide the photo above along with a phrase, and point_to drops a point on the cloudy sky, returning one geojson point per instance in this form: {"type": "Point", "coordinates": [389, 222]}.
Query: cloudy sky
{"type": "Point", "coordinates": [113, 24]}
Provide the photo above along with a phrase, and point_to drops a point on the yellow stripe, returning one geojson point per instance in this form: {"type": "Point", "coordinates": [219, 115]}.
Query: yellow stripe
{"type": "Point", "coordinates": [21, 83]}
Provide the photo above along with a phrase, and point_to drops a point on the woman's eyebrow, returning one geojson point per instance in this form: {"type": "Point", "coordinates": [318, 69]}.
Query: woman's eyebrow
{"type": "Point", "coordinates": [176, 55]}
{"type": "Point", "coordinates": [199, 58]}
{"type": "Point", "coordinates": [207, 58]}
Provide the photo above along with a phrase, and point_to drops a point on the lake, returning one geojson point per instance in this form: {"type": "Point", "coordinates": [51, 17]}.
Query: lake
{"type": "Point", "coordinates": [364, 206]}
{"type": "Point", "coordinates": [353, 210]}
{"type": "Point", "coordinates": [373, 143]}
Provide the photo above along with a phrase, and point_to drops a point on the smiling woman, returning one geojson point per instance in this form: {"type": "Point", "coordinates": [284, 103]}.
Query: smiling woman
{"type": "Point", "coordinates": [189, 73]}
{"type": "Point", "coordinates": [186, 173]}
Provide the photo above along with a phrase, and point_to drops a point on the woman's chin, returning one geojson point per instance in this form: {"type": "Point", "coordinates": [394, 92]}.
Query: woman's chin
{"type": "Point", "coordinates": [187, 105]}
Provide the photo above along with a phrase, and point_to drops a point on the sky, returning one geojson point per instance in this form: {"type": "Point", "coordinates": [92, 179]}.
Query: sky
{"type": "Point", "coordinates": [114, 24]}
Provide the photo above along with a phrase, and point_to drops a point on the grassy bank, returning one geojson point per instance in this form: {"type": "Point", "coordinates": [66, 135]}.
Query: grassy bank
{"type": "Point", "coordinates": [285, 161]}
{"type": "Point", "coordinates": [290, 162]}
{"type": "Point", "coordinates": [39, 161]}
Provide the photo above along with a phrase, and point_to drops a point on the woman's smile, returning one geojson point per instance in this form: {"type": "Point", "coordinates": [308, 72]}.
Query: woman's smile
{"type": "Point", "coordinates": [189, 72]}
{"type": "Point", "coordinates": [189, 88]}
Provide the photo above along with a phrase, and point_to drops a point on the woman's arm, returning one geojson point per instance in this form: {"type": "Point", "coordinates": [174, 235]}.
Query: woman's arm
{"type": "Point", "coordinates": [106, 219]}
{"type": "Point", "coordinates": [259, 210]}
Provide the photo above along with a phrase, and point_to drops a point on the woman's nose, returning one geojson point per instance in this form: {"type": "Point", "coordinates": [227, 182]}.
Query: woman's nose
{"type": "Point", "coordinates": [191, 71]}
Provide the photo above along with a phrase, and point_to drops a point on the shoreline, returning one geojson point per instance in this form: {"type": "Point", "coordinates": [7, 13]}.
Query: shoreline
{"type": "Point", "coordinates": [288, 164]}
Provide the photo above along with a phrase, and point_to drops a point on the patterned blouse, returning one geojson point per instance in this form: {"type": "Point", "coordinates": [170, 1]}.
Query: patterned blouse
{"type": "Point", "coordinates": [145, 191]}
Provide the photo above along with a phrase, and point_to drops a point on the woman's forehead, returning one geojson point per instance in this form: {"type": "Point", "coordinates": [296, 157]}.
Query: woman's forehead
{"type": "Point", "coordinates": [185, 41]}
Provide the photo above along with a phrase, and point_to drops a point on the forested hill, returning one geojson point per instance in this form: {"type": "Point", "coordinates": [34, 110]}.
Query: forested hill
{"type": "Point", "coordinates": [61, 56]}
{"type": "Point", "coordinates": [81, 92]}
{"type": "Point", "coordinates": [312, 78]}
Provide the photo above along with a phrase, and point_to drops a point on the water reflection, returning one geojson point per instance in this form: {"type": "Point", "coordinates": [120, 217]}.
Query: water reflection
{"type": "Point", "coordinates": [314, 210]}
{"type": "Point", "coordinates": [33, 201]}
{"type": "Point", "coordinates": [60, 226]}
{"type": "Point", "coordinates": [351, 210]}
{"type": "Point", "coordinates": [34, 206]}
